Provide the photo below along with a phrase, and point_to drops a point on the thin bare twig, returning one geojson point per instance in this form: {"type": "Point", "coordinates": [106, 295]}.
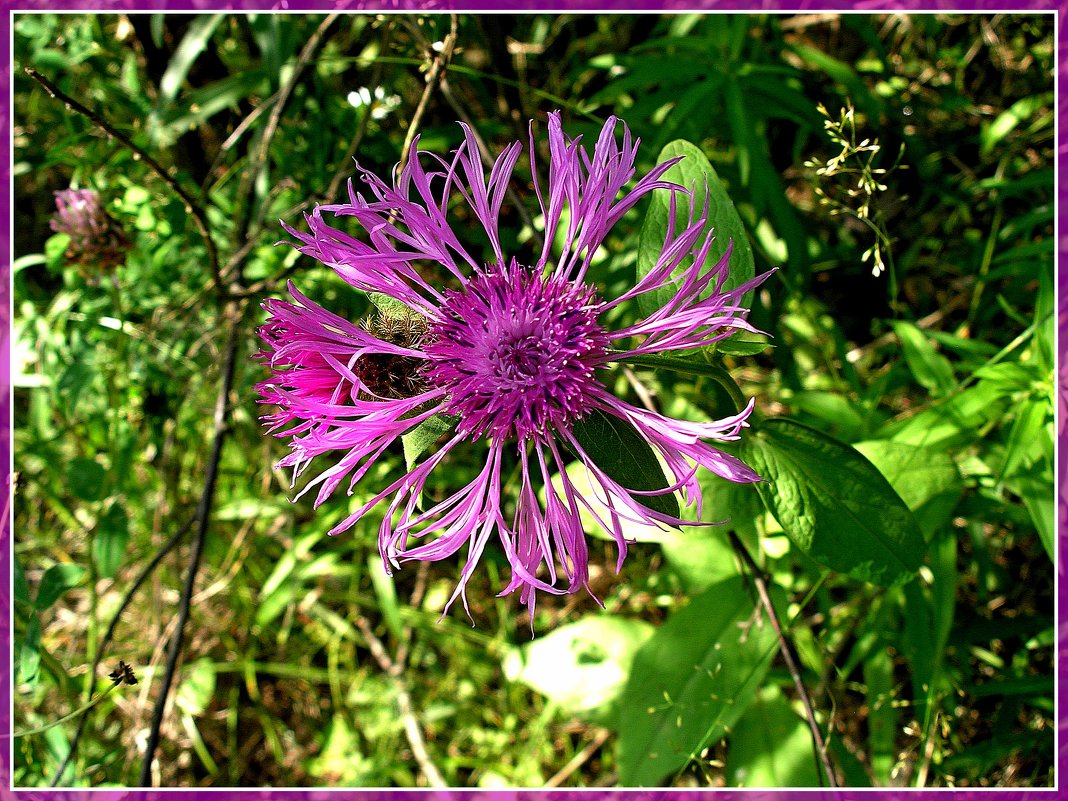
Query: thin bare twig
{"type": "Point", "coordinates": [789, 653]}
{"type": "Point", "coordinates": [344, 169]}
{"type": "Point", "coordinates": [395, 670]}
{"type": "Point", "coordinates": [434, 75]}
{"type": "Point", "coordinates": [259, 160]}
{"type": "Point", "coordinates": [579, 759]}
{"type": "Point", "coordinates": [146, 571]}
{"type": "Point", "coordinates": [487, 159]}
{"type": "Point", "coordinates": [234, 312]}
{"type": "Point", "coordinates": [194, 209]}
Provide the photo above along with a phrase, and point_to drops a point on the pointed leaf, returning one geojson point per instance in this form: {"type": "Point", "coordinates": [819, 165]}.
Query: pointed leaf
{"type": "Point", "coordinates": [620, 451]}
{"type": "Point", "coordinates": [424, 435]}
{"type": "Point", "coordinates": [109, 541]}
{"type": "Point", "coordinates": [771, 746]}
{"type": "Point", "coordinates": [833, 503]}
{"type": "Point", "coordinates": [691, 682]}
{"type": "Point", "coordinates": [694, 171]}
{"type": "Point", "coordinates": [56, 581]}
{"type": "Point", "coordinates": [583, 666]}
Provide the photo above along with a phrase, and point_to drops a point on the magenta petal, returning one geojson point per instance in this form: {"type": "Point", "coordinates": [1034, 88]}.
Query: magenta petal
{"type": "Point", "coordinates": [514, 351]}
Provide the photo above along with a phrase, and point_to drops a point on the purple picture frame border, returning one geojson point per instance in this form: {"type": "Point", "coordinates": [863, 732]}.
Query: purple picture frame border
{"type": "Point", "coordinates": [8, 7]}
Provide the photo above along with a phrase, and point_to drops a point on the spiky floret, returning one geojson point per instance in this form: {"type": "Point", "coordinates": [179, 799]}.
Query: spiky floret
{"type": "Point", "coordinates": [514, 351]}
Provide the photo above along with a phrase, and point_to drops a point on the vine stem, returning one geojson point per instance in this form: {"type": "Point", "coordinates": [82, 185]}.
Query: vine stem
{"type": "Point", "coordinates": [789, 653]}
{"type": "Point", "coordinates": [52, 724]}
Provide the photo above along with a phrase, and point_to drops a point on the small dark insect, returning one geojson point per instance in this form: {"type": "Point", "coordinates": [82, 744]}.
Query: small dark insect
{"type": "Point", "coordinates": [123, 673]}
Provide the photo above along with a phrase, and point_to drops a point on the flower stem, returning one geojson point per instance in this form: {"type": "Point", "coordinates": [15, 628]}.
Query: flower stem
{"type": "Point", "coordinates": [79, 711]}
{"type": "Point", "coordinates": [694, 367]}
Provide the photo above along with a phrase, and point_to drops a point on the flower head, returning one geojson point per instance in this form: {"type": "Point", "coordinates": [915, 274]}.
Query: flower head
{"type": "Point", "coordinates": [97, 242]}
{"type": "Point", "coordinates": [512, 351]}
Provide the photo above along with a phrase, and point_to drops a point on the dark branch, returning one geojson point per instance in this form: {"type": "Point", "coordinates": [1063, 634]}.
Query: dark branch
{"type": "Point", "coordinates": [789, 653]}
{"type": "Point", "coordinates": [235, 313]}
{"type": "Point", "coordinates": [194, 209]}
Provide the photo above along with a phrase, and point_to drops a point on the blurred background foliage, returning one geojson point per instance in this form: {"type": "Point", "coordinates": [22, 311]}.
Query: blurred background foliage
{"type": "Point", "coordinates": [303, 664]}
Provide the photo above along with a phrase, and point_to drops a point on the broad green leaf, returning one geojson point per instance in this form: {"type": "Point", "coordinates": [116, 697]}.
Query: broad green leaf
{"type": "Point", "coordinates": [928, 366]}
{"type": "Point", "coordinates": [1024, 444]}
{"type": "Point", "coordinates": [632, 530]}
{"type": "Point", "coordinates": [191, 46]}
{"type": "Point", "coordinates": [87, 479]}
{"type": "Point", "coordinates": [693, 171]}
{"type": "Point", "coordinates": [928, 618]}
{"type": "Point", "coordinates": [582, 666]}
{"type": "Point", "coordinates": [197, 687]}
{"type": "Point", "coordinates": [882, 716]}
{"type": "Point", "coordinates": [833, 503]}
{"type": "Point", "coordinates": [420, 438]}
{"type": "Point", "coordinates": [927, 480]}
{"type": "Point", "coordinates": [109, 541]}
{"type": "Point", "coordinates": [771, 746]}
{"type": "Point", "coordinates": [954, 421]}
{"type": "Point", "coordinates": [691, 682]}
{"type": "Point", "coordinates": [701, 557]}
{"type": "Point", "coordinates": [56, 581]}
{"type": "Point", "coordinates": [28, 661]}
{"type": "Point", "coordinates": [839, 416]}
{"type": "Point", "coordinates": [619, 450]}
{"type": "Point", "coordinates": [1035, 488]}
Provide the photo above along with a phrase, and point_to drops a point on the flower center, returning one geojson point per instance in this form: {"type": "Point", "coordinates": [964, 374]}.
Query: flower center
{"type": "Point", "coordinates": [391, 375]}
{"type": "Point", "coordinates": [517, 352]}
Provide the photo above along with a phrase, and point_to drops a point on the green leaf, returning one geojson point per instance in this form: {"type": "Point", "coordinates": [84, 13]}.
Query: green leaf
{"type": "Point", "coordinates": [699, 556]}
{"type": "Point", "coordinates": [694, 170]}
{"type": "Point", "coordinates": [1020, 111]}
{"type": "Point", "coordinates": [56, 581]}
{"type": "Point", "coordinates": [882, 716]}
{"type": "Point", "coordinates": [1024, 445]}
{"type": "Point", "coordinates": [738, 346]}
{"type": "Point", "coordinates": [620, 451]}
{"type": "Point", "coordinates": [691, 682]}
{"type": "Point", "coordinates": [928, 618]}
{"type": "Point", "coordinates": [632, 530]}
{"type": "Point", "coordinates": [927, 480]}
{"type": "Point", "coordinates": [833, 503]}
{"type": "Point", "coordinates": [28, 660]}
{"type": "Point", "coordinates": [191, 46]}
{"type": "Point", "coordinates": [424, 435]}
{"type": "Point", "coordinates": [55, 248]}
{"type": "Point", "coordinates": [582, 666]}
{"type": "Point", "coordinates": [87, 479]}
{"type": "Point", "coordinates": [109, 541]}
{"type": "Point", "coordinates": [955, 420]}
{"type": "Point", "coordinates": [18, 580]}
{"type": "Point", "coordinates": [928, 366]}
{"type": "Point", "coordinates": [771, 746]}
{"type": "Point", "coordinates": [197, 688]}
{"type": "Point", "coordinates": [1035, 488]}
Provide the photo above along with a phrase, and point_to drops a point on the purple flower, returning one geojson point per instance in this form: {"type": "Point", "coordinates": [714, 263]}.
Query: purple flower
{"type": "Point", "coordinates": [96, 240]}
{"type": "Point", "coordinates": [514, 353]}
